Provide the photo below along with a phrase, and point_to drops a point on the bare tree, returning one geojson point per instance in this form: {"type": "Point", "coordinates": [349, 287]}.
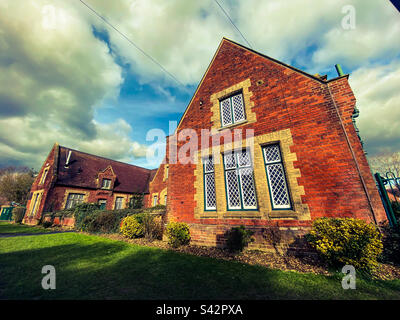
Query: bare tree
{"type": "Point", "coordinates": [385, 163]}
{"type": "Point", "coordinates": [15, 183]}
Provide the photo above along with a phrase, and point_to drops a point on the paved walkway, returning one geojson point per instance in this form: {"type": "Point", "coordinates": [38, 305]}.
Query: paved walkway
{"type": "Point", "coordinates": [10, 235]}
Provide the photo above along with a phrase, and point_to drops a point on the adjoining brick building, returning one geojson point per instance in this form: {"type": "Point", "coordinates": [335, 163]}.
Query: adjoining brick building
{"type": "Point", "coordinates": [69, 177]}
{"type": "Point", "coordinates": [306, 159]}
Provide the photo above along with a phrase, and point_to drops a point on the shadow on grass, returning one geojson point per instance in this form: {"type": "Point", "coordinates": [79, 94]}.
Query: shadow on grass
{"type": "Point", "coordinates": [88, 267]}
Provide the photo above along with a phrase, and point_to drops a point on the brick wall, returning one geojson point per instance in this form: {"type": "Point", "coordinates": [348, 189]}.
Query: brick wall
{"type": "Point", "coordinates": [282, 99]}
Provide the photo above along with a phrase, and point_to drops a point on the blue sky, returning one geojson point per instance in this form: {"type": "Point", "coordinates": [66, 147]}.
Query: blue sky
{"type": "Point", "coordinates": [67, 77]}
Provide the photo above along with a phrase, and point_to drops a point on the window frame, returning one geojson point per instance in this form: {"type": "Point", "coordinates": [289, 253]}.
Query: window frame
{"type": "Point", "coordinates": [230, 97]}
{"type": "Point", "coordinates": [74, 200]}
{"type": "Point", "coordinates": [44, 176]}
{"type": "Point", "coordinates": [121, 202]}
{"type": "Point", "coordinates": [237, 169]}
{"type": "Point", "coordinates": [108, 184]}
{"type": "Point", "coordinates": [155, 197]}
{"type": "Point", "coordinates": [100, 202]}
{"type": "Point", "coordinates": [34, 207]}
{"type": "Point", "coordinates": [205, 172]}
{"type": "Point", "coordinates": [281, 162]}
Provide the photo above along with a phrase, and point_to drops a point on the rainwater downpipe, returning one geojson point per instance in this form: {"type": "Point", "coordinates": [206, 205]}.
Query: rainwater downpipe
{"type": "Point", "coordinates": [340, 73]}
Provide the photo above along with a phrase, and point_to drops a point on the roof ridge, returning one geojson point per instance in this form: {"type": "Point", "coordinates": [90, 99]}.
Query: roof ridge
{"type": "Point", "coordinates": [284, 64]}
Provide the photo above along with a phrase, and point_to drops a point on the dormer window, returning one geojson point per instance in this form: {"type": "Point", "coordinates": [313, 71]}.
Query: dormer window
{"type": "Point", "coordinates": [106, 184]}
{"type": "Point", "coordinates": [232, 110]}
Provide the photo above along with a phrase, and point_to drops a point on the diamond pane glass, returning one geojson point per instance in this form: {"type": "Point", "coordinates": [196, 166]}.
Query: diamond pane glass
{"type": "Point", "coordinates": [226, 112]}
{"type": "Point", "coordinates": [229, 160]}
{"type": "Point", "coordinates": [211, 202]}
{"type": "Point", "coordinates": [74, 199]}
{"type": "Point", "coordinates": [279, 191]}
{"type": "Point", "coordinates": [272, 154]}
{"type": "Point", "coordinates": [233, 190]}
{"type": "Point", "coordinates": [244, 158]}
{"type": "Point", "coordinates": [208, 165]}
{"type": "Point", "coordinates": [238, 108]}
{"type": "Point", "coordinates": [248, 190]}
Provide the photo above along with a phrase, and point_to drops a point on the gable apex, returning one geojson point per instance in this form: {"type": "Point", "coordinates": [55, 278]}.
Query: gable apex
{"type": "Point", "coordinates": [227, 42]}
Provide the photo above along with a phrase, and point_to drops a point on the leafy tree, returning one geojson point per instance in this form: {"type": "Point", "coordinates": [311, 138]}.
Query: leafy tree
{"type": "Point", "coordinates": [16, 183]}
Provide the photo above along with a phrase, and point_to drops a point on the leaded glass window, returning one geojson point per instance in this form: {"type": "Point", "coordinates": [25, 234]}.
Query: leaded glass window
{"type": "Point", "coordinates": [118, 203]}
{"type": "Point", "coordinates": [106, 184]}
{"type": "Point", "coordinates": [210, 200]}
{"type": "Point", "coordinates": [239, 179]}
{"type": "Point", "coordinates": [276, 177]}
{"type": "Point", "coordinates": [232, 110]}
{"type": "Point", "coordinates": [73, 200]}
{"type": "Point", "coordinates": [35, 204]}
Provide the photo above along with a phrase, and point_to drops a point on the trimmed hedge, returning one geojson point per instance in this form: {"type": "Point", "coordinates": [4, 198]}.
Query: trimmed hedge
{"type": "Point", "coordinates": [90, 218]}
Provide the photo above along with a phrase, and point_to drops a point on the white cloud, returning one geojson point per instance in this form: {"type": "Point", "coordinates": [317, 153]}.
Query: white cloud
{"type": "Point", "coordinates": [54, 73]}
{"type": "Point", "coordinates": [378, 98]}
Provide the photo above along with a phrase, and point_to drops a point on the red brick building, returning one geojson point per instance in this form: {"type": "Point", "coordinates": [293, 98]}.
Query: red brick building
{"type": "Point", "coordinates": [301, 160]}
{"type": "Point", "coordinates": [305, 161]}
{"type": "Point", "coordinates": [69, 177]}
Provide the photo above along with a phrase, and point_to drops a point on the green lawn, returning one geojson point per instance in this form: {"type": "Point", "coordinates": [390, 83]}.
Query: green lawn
{"type": "Point", "coordinates": [11, 228]}
{"type": "Point", "coordinates": [92, 267]}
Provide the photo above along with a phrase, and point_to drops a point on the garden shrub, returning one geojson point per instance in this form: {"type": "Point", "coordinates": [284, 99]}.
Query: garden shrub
{"type": "Point", "coordinates": [131, 228]}
{"type": "Point", "coordinates": [391, 245]}
{"type": "Point", "coordinates": [346, 241]}
{"type": "Point", "coordinates": [159, 206]}
{"type": "Point", "coordinates": [18, 214]}
{"type": "Point", "coordinates": [152, 226]}
{"type": "Point", "coordinates": [136, 201]}
{"type": "Point", "coordinates": [238, 238]}
{"type": "Point", "coordinates": [103, 221]}
{"type": "Point", "coordinates": [47, 224]}
{"type": "Point", "coordinates": [396, 209]}
{"type": "Point", "coordinates": [178, 234]}
{"type": "Point", "coordinates": [83, 214]}
{"type": "Point", "coordinates": [90, 218]}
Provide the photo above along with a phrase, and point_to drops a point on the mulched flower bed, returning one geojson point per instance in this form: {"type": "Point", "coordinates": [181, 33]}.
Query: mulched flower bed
{"type": "Point", "coordinates": [288, 262]}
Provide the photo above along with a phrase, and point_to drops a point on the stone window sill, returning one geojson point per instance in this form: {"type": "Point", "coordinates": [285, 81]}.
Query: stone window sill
{"type": "Point", "coordinates": [233, 125]}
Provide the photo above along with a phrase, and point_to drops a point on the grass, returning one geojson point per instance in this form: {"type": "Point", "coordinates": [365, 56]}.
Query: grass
{"type": "Point", "coordinates": [15, 228]}
{"type": "Point", "coordinates": [92, 267]}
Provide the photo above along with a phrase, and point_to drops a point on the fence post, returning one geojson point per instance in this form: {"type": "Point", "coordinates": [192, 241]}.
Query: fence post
{"type": "Point", "coordinates": [385, 200]}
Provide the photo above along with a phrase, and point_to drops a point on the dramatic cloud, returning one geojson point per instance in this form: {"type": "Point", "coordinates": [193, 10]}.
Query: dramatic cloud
{"type": "Point", "coordinates": [62, 68]}
{"type": "Point", "coordinates": [378, 98]}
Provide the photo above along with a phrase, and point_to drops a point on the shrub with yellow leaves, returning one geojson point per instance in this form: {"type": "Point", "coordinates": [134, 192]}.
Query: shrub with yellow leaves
{"type": "Point", "coordinates": [342, 241]}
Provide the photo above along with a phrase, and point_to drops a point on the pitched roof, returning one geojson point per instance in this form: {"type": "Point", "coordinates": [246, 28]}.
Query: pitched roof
{"type": "Point", "coordinates": [83, 169]}
{"type": "Point", "coordinates": [225, 41]}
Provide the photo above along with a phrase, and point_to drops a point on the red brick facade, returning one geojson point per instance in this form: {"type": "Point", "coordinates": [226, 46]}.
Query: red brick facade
{"type": "Point", "coordinates": [83, 174]}
{"type": "Point", "coordinates": [333, 176]}
{"type": "Point", "coordinates": [308, 116]}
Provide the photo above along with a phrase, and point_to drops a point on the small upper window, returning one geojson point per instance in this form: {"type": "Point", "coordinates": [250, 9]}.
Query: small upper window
{"type": "Point", "coordinates": [106, 184]}
{"type": "Point", "coordinates": [44, 175]}
{"type": "Point", "coordinates": [232, 110]}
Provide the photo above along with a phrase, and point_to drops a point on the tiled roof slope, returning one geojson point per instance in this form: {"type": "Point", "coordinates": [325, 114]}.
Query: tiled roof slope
{"type": "Point", "coordinates": [83, 170]}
